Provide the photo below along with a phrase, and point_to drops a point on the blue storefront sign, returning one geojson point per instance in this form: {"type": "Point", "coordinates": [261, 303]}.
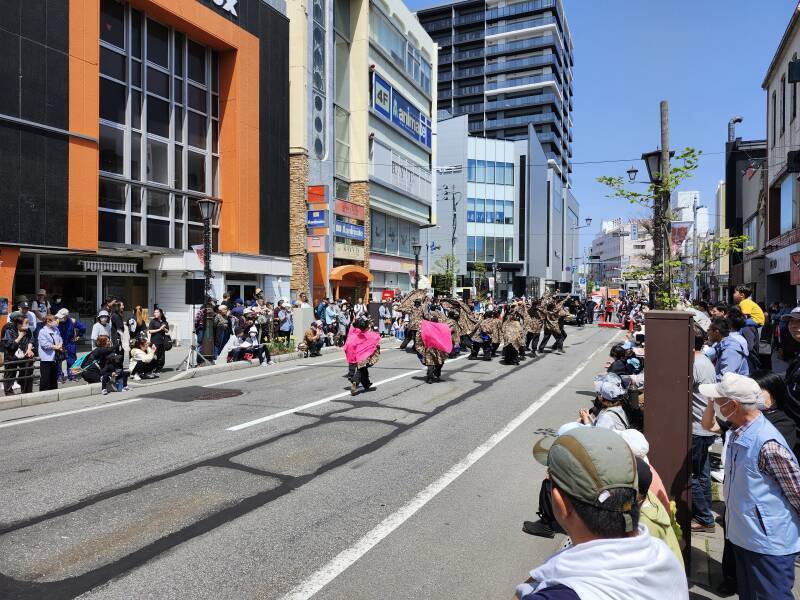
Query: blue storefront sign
{"type": "Point", "coordinates": [349, 231]}
{"type": "Point", "coordinates": [392, 106]}
{"type": "Point", "coordinates": [316, 218]}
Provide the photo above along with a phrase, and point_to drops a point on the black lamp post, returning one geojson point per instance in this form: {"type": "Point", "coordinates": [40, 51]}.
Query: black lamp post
{"type": "Point", "coordinates": [208, 208]}
{"type": "Point", "coordinates": [494, 276]}
{"type": "Point", "coordinates": [417, 248]}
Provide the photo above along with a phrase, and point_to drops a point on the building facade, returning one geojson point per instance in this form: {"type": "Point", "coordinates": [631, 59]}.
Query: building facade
{"type": "Point", "coordinates": [720, 268]}
{"type": "Point", "coordinates": [503, 214]}
{"type": "Point", "coordinates": [507, 65]}
{"type": "Point", "coordinates": [617, 250]}
{"type": "Point", "coordinates": [782, 252]}
{"type": "Point", "coordinates": [362, 145]}
{"type": "Point", "coordinates": [115, 118]}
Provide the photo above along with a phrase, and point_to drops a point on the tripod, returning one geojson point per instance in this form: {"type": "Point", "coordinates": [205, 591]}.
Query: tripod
{"type": "Point", "coordinates": [190, 360]}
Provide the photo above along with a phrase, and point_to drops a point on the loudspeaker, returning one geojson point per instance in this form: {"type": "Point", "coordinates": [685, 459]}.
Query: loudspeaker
{"type": "Point", "coordinates": [195, 291]}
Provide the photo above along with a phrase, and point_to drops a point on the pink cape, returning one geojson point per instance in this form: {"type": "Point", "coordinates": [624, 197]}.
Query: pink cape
{"type": "Point", "coordinates": [360, 345]}
{"type": "Point", "coordinates": [436, 336]}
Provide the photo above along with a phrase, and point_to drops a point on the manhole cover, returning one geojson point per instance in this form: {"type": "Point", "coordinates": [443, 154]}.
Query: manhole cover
{"type": "Point", "coordinates": [192, 393]}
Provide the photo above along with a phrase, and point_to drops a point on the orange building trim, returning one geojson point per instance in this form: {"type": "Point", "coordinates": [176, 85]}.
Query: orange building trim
{"type": "Point", "coordinates": [239, 116]}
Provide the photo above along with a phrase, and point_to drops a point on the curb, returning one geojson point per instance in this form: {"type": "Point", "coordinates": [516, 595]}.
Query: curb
{"type": "Point", "coordinates": [93, 389]}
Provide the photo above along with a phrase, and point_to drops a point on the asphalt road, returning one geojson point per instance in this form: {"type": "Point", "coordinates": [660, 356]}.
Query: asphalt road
{"type": "Point", "coordinates": [275, 483]}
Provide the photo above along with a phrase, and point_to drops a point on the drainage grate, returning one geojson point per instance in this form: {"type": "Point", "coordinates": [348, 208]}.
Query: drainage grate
{"type": "Point", "coordinates": [192, 393]}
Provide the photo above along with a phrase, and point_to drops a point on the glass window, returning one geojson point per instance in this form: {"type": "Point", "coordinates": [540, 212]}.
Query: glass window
{"type": "Point", "coordinates": [194, 235]}
{"type": "Point", "coordinates": [136, 155]}
{"type": "Point", "coordinates": [136, 33]}
{"type": "Point", "coordinates": [178, 180]}
{"type": "Point", "coordinates": [480, 248]}
{"type": "Point", "coordinates": [490, 171]}
{"type": "Point", "coordinates": [179, 202]}
{"type": "Point", "coordinates": [136, 109]}
{"type": "Point", "coordinates": [136, 199]}
{"type": "Point", "coordinates": [136, 73]}
{"type": "Point", "coordinates": [500, 248]}
{"type": "Point", "coordinates": [480, 215]}
{"type": "Point", "coordinates": [377, 231]}
{"type": "Point", "coordinates": [509, 249]}
{"type": "Point", "coordinates": [470, 247]}
{"type": "Point", "coordinates": [157, 116]}
{"type": "Point", "coordinates": [391, 234]}
{"type": "Point", "coordinates": [490, 256]}
{"type": "Point", "coordinates": [157, 43]}
{"type": "Point", "coordinates": [112, 100]}
{"type": "Point", "coordinates": [157, 161]}
{"type": "Point", "coordinates": [111, 227]}
{"type": "Point", "coordinates": [498, 211]}
{"type": "Point", "coordinates": [196, 171]}
{"type": "Point", "coordinates": [112, 23]}
{"type": "Point", "coordinates": [197, 98]}
{"type": "Point", "coordinates": [215, 137]}
{"type": "Point", "coordinates": [178, 235]}
{"type": "Point", "coordinates": [112, 64]}
{"type": "Point", "coordinates": [112, 195]}
{"type": "Point", "coordinates": [471, 166]}
{"type": "Point", "coordinates": [470, 210]}
{"type": "Point", "coordinates": [178, 64]}
{"type": "Point", "coordinates": [509, 213]}
{"type": "Point", "coordinates": [136, 231]}
{"type": "Point", "coordinates": [157, 204]}
{"type": "Point", "coordinates": [481, 173]}
{"type": "Point", "coordinates": [157, 82]}
{"type": "Point", "coordinates": [405, 238]}
{"type": "Point", "coordinates": [489, 211]}
{"type": "Point", "coordinates": [196, 130]}
{"type": "Point", "coordinates": [214, 72]}
{"type": "Point", "coordinates": [197, 62]}
{"type": "Point", "coordinates": [158, 233]}
{"type": "Point", "coordinates": [112, 150]}
{"type": "Point", "coordinates": [509, 173]}
{"type": "Point", "coordinates": [341, 93]}
{"type": "Point", "coordinates": [178, 124]}
{"type": "Point", "coordinates": [215, 176]}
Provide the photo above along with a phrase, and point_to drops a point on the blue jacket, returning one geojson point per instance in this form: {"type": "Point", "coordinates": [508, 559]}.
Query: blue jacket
{"type": "Point", "coordinates": [758, 517]}
{"type": "Point", "coordinates": [70, 329]}
{"type": "Point", "coordinates": [732, 356]}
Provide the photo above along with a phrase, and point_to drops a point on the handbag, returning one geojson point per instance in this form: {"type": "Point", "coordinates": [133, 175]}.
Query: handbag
{"type": "Point", "coordinates": [167, 342]}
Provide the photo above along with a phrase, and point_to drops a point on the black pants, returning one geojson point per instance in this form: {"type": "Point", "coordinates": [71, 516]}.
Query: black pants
{"type": "Point", "coordinates": [434, 372]}
{"type": "Point", "coordinates": [510, 354]}
{"type": "Point", "coordinates": [48, 375]}
{"type": "Point", "coordinates": [143, 368]}
{"type": "Point", "coordinates": [20, 370]}
{"type": "Point", "coordinates": [159, 358]}
{"type": "Point", "coordinates": [411, 336]}
{"type": "Point", "coordinates": [531, 340]}
{"type": "Point", "coordinates": [547, 334]}
{"type": "Point", "coordinates": [485, 346]}
{"type": "Point", "coordinates": [314, 348]}
{"type": "Point", "coordinates": [361, 376]}
{"type": "Point", "coordinates": [562, 335]}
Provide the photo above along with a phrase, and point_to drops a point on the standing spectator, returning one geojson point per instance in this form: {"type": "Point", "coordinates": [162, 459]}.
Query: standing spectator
{"type": "Point", "coordinates": [222, 329]}
{"type": "Point", "coordinates": [384, 318]}
{"type": "Point", "coordinates": [158, 331]}
{"type": "Point", "coordinates": [779, 407]}
{"type": "Point", "coordinates": [762, 490]}
{"type": "Point", "coordinates": [120, 339]}
{"type": "Point", "coordinates": [731, 353]}
{"type": "Point", "coordinates": [57, 304]}
{"type": "Point", "coordinates": [609, 311]}
{"type": "Point", "coordinates": [319, 311]}
{"type": "Point", "coordinates": [72, 330]}
{"type": "Point", "coordinates": [331, 312]}
{"type": "Point", "coordinates": [749, 308]}
{"type": "Point", "coordinates": [51, 349]}
{"type": "Point", "coordinates": [304, 300]}
{"type": "Point", "coordinates": [285, 323]}
{"type": "Point", "coordinates": [703, 373]}
{"type": "Point", "coordinates": [591, 492]}
{"type": "Point", "coordinates": [748, 334]}
{"type": "Point", "coordinates": [226, 300]}
{"type": "Point", "coordinates": [360, 309]}
{"type": "Point", "coordinates": [101, 327]}
{"type": "Point", "coordinates": [18, 354]}
{"type": "Point", "coordinates": [591, 306]}
{"type": "Point", "coordinates": [718, 311]}
{"type": "Point", "coordinates": [140, 322]}
{"type": "Point", "coordinates": [40, 307]}
{"type": "Point", "coordinates": [25, 308]}
{"type": "Point", "coordinates": [143, 359]}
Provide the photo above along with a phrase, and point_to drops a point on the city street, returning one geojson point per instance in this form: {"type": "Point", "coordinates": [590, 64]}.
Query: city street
{"type": "Point", "coordinates": [275, 483]}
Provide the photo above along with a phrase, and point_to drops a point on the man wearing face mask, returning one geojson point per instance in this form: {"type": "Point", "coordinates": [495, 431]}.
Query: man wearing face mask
{"type": "Point", "coordinates": [762, 490]}
{"type": "Point", "coordinates": [592, 489]}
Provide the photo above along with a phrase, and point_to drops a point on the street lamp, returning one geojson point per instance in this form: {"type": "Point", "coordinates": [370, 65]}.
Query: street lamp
{"type": "Point", "coordinates": [416, 248]}
{"type": "Point", "coordinates": [653, 162]}
{"type": "Point", "coordinates": [494, 277]}
{"type": "Point", "coordinates": [208, 209]}
{"type": "Point", "coordinates": [632, 173]}
{"type": "Point", "coordinates": [588, 224]}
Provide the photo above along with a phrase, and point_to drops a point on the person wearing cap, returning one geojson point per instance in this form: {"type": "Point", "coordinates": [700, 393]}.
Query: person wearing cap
{"type": "Point", "coordinates": [591, 492]}
{"type": "Point", "coordinates": [40, 307]}
{"type": "Point", "coordinates": [730, 352]}
{"type": "Point", "coordinates": [24, 308]}
{"type": "Point", "coordinates": [71, 330]}
{"type": "Point", "coordinates": [285, 323]}
{"type": "Point", "coordinates": [609, 401]}
{"type": "Point", "coordinates": [741, 296]}
{"type": "Point", "coordinates": [101, 327]}
{"type": "Point", "coordinates": [762, 490]}
{"type": "Point", "coordinates": [791, 321]}
{"type": "Point", "coordinates": [250, 344]}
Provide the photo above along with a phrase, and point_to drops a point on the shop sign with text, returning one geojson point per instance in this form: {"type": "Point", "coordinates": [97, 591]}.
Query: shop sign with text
{"type": "Point", "coordinates": [393, 106]}
{"type": "Point", "coordinates": [348, 251]}
{"type": "Point", "coordinates": [349, 231]}
{"type": "Point", "coordinates": [350, 210]}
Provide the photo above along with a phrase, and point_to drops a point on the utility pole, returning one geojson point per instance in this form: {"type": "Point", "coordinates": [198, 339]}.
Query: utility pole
{"type": "Point", "coordinates": [662, 251]}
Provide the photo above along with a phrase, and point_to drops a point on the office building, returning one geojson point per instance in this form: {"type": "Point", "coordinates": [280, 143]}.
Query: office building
{"type": "Point", "coordinates": [507, 66]}
{"type": "Point", "coordinates": [115, 118]}
{"type": "Point", "coordinates": [363, 142]}
{"type": "Point", "coordinates": [619, 250]}
{"type": "Point", "coordinates": [503, 214]}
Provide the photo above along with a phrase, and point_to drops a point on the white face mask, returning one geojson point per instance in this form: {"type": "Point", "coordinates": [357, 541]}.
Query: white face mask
{"type": "Point", "coordinates": [718, 412]}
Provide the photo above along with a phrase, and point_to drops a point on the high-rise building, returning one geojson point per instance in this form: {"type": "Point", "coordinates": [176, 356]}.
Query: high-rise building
{"type": "Point", "coordinates": [507, 65]}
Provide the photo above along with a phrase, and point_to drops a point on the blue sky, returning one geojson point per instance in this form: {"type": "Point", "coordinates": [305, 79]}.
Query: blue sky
{"type": "Point", "coordinates": [706, 57]}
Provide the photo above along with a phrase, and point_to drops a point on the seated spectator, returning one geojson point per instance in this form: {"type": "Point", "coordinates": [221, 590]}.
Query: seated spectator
{"type": "Point", "coordinates": [103, 364]}
{"type": "Point", "coordinates": [592, 490]}
{"type": "Point", "coordinates": [313, 338]}
{"type": "Point", "coordinates": [609, 411]}
{"type": "Point", "coordinates": [652, 513]}
{"type": "Point", "coordinates": [619, 365]}
{"type": "Point", "coordinates": [143, 361]}
{"type": "Point", "coordinates": [250, 346]}
{"type": "Point", "coordinates": [762, 490]}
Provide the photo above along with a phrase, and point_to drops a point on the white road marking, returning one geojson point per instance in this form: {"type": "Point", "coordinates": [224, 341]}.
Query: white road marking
{"type": "Point", "coordinates": [348, 557]}
{"type": "Point", "coordinates": [267, 373]}
{"type": "Point", "coordinates": [68, 412]}
{"type": "Point", "coordinates": [296, 409]}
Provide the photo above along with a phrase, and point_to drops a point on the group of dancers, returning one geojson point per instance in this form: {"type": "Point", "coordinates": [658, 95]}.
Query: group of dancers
{"type": "Point", "coordinates": [442, 328]}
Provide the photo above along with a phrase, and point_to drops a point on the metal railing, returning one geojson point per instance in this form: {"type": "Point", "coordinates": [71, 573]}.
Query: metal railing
{"type": "Point", "coordinates": [516, 81]}
{"type": "Point", "coordinates": [469, 54]}
{"type": "Point", "coordinates": [469, 72]}
{"type": "Point", "coordinates": [519, 9]}
{"type": "Point", "coordinates": [519, 26]}
{"type": "Point", "coordinates": [473, 18]}
{"type": "Point", "coordinates": [529, 44]}
{"type": "Point", "coordinates": [469, 36]}
{"type": "Point", "coordinates": [522, 63]}
{"type": "Point", "coordinates": [24, 372]}
{"type": "Point", "coordinates": [469, 90]}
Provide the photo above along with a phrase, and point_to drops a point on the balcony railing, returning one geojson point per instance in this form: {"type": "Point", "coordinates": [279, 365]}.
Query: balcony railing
{"type": "Point", "coordinates": [473, 18]}
{"type": "Point", "coordinates": [529, 44]}
{"type": "Point", "coordinates": [529, 24]}
{"type": "Point", "coordinates": [437, 25]}
{"type": "Point", "coordinates": [785, 239]}
{"type": "Point", "coordinates": [445, 58]}
{"type": "Point", "coordinates": [469, 72]}
{"type": "Point", "coordinates": [522, 63]}
{"type": "Point", "coordinates": [536, 100]}
{"type": "Point", "coordinates": [444, 94]}
{"type": "Point", "coordinates": [469, 54]}
{"type": "Point", "coordinates": [445, 76]}
{"type": "Point", "coordinates": [517, 81]}
{"type": "Point", "coordinates": [547, 117]}
{"type": "Point", "coordinates": [470, 90]}
{"type": "Point", "coordinates": [469, 36]}
{"type": "Point", "coordinates": [522, 8]}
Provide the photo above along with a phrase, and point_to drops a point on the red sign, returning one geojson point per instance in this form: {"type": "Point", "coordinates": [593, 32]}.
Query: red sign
{"type": "Point", "coordinates": [318, 194]}
{"type": "Point", "coordinates": [794, 268]}
{"type": "Point", "coordinates": [350, 210]}
{"type": "Point", "coordinates": [199, 250]}
{"type": "Point", "coordinates": [387, 295]}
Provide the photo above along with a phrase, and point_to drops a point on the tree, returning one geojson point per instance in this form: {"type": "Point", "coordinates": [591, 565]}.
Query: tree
{"type": "Point", "coordinates": [479, 268]}
{"type": "Point", "coordinates": [654, 198]}
{"type": "Point", "coordinates": [447, 266]}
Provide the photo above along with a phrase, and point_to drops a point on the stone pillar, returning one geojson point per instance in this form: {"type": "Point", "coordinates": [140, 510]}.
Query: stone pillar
{"type": "Point", "coordinates": [298, 182]}
{"type": "Point", "coordinates": [359, 194]}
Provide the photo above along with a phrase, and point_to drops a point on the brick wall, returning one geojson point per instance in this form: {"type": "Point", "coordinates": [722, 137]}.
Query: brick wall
{"type": "Point", "coordinates": [298, 180]}
{"type": "Point", "coordinates": [359, 194]}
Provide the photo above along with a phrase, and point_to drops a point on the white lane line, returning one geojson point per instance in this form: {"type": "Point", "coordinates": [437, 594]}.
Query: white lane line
{"type": "Point", "coordinates": [68, 412]}
{"type": "Point", "coordinates": [267, 373]}
{"type": "Point", "coordinates": [296, 409]}
{"type": "Point", "coordinates": [346, 558]}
